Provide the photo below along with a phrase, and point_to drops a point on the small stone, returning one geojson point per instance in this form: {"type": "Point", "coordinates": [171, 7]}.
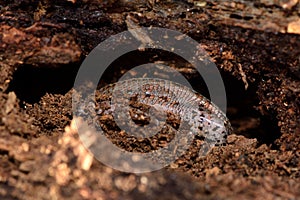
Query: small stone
{"type": "Point", "coordinates": [288, 4]}
{"type": "Point", "coordinates": [294, 27]}
{"type": "Point", "coordinates": [27, 166]}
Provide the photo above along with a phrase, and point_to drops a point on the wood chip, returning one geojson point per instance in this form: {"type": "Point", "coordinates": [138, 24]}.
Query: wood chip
{"type": "Point", "coordinates": [10, 103]}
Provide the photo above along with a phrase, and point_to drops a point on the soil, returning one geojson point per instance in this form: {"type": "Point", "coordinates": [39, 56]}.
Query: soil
{"type": "Point", "coordinates": [255, 45]}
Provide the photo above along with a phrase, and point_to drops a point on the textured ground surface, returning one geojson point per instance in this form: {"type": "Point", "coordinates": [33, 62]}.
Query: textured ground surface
{"type": "Point", "coordinates": [255, 44]}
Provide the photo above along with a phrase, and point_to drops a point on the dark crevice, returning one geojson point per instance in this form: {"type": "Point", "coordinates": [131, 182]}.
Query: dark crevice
{"type": "Point", "coordinates": [3, 152]}
{"type": "Point", "coordinates": [31, 83]}
{"type": "Point", "coordinates": [130, 62]}
{"type": "Point", "coordinates": [244, 117]}
{"type": "Point", "coordinates": [236, 16]}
